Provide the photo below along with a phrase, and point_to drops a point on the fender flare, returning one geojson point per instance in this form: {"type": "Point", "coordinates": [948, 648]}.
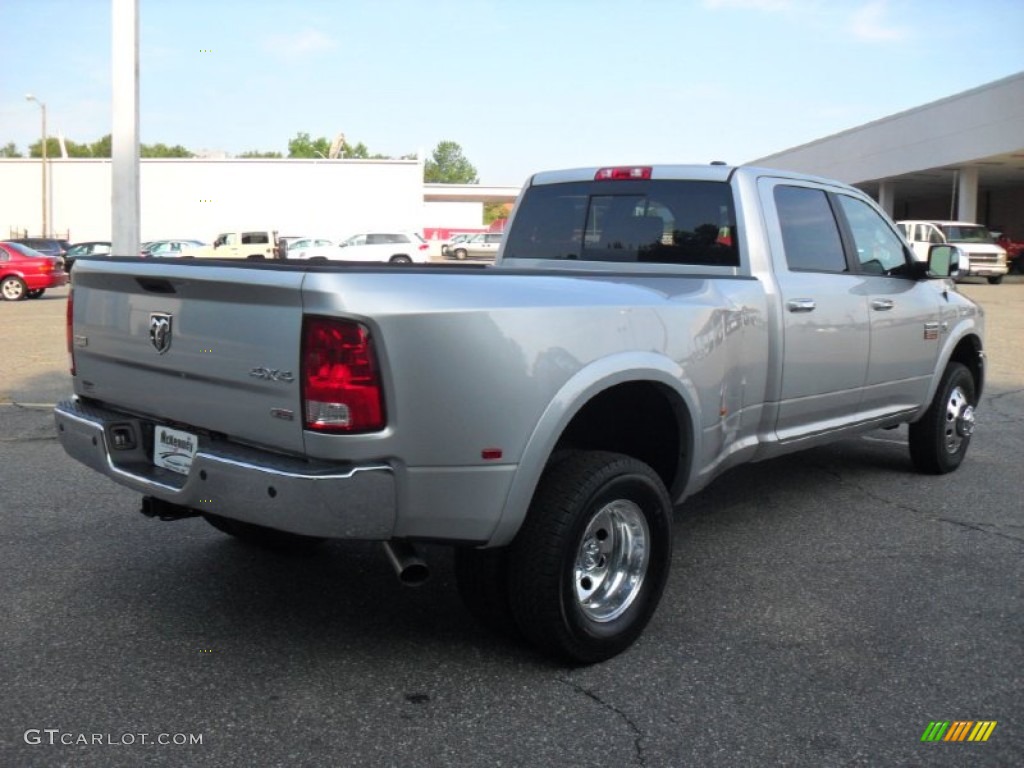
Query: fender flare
{"type": "Point", "coordinates": [568, 401]}
{"type": "Point", "coordinates": [966, 329]}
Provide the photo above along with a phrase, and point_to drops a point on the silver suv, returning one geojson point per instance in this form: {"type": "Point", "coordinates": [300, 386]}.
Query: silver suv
{"type": "Point", "coordinates": [482, 246]}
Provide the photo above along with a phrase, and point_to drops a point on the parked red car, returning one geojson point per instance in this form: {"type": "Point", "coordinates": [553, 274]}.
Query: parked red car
{"type": "Point", "coordinates": [25, 273]}
{"type": "Point", "coordinates": [1014, 251]}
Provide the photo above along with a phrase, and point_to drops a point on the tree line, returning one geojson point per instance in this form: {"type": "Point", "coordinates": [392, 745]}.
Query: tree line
{"type": "Point", "coordinates": [446, 165]}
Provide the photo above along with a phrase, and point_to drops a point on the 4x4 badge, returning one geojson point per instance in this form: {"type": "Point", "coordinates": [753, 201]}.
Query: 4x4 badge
{"type": "Point", "coordinates": [160, 331]}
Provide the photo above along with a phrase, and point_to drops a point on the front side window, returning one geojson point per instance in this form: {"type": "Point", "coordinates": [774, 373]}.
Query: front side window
{"type": "Point", "coordinates": [810, 234]}
{"type": "Point", "coordinates": [879, 250]}
{"type": "Point", "coordinates": [663, 222]}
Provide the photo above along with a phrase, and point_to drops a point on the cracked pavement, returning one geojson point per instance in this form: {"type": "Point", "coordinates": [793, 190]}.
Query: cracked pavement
{"type": "Point", "coordinates": [823, 608]}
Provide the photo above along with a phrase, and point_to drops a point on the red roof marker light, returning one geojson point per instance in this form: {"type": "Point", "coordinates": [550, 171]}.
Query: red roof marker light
{"type": "Point", "coordinates": [623, 173]}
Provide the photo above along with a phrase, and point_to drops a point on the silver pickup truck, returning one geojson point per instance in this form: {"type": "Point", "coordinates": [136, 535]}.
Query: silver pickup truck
{"type": "Point", "coordinates": [643, 330]}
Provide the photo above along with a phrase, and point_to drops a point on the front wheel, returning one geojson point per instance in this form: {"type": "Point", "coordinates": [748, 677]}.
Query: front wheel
{"type": "Point", "coordinates": [588, 567]}
{"type": "Point", "coordinates": [13, 288]}
{"type": "Point", "coordinates": [939, 441]}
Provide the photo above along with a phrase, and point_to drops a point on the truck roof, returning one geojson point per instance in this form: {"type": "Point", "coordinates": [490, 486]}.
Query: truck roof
{"type": "Point", "coordinates": [691, 172]}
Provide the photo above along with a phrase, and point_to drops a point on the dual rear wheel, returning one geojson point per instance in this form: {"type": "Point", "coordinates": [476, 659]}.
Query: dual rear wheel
{"type": "Point", "coordinates": [585, 573]}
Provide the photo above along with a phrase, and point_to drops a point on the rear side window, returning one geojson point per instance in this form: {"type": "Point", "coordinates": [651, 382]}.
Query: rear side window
{"type": "Point", "coordinates": [663, 222]}
{"type": "Point", "coordinates": [255, 238]}
{"type": "Point", "coordinates": [810, 234]}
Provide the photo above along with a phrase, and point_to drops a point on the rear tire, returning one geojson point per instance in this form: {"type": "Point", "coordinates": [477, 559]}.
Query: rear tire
{"type": "Point", "coordinates": [939, 440]}
{"type": "Point", "coordinates": [261, 536]}
{"type": "Point", "coordinates": [460, 253]}
{"type": "Point", "coordinates": [589, 564]}
{"type": "Point", "coordinates": [401, 259]}
{"type": "Point", "coordinates": [995, 280]}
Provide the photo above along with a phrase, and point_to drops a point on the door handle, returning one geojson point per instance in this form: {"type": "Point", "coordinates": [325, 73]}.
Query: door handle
{"type": "Point", "coordinates": [801, 305]}
{"type": "Point", "coordinates": [882, 304]}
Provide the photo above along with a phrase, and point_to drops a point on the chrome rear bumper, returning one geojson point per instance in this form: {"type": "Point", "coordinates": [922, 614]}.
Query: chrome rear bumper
{"type": "Point", "coordinates": [238, 482]}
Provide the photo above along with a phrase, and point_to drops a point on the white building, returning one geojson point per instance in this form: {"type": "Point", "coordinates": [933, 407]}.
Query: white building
{"type": "Point", "coordinates": [196, 198]}
{"type": "Point", "coordinates": [959, 157]}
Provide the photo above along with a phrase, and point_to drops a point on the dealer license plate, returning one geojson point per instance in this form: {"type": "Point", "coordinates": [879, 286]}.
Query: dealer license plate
{"type": "Point", "coordinates": [174, 449]}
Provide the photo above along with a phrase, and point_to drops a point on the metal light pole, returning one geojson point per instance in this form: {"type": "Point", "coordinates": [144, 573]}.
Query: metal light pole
{"type": "Point", "coordinates": [46, 218]}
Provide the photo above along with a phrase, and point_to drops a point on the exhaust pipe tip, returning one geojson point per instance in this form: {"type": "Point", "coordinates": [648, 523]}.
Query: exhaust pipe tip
{"type": "Point", "coordinates": [411, 569]}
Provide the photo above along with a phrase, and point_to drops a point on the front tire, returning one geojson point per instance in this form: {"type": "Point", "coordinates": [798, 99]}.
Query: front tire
{"type": "Point", "coordinates": [995, 280]}
{"type": "Point", "coordinates": [588, 567]}
{"type": "Point", "coordinates": [261, 536]}
{"type": "Point", "coordinates": [939, 440]}
{"type": "Point", "coordinates": [461, 253]}
{"type": "Point", "coordinates": [13, 288]}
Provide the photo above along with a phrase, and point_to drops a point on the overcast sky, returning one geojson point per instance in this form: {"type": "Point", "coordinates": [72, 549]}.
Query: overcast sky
{"type": "Point", "coordinates": [522, 86]}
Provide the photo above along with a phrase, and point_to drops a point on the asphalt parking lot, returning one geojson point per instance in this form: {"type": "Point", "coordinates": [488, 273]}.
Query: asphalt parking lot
{"type": "Point", "coordinates": [823, 609]}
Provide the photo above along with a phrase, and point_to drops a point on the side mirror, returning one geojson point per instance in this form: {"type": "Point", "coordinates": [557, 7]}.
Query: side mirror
{"type": "Point", "coordinates": [944, 261]}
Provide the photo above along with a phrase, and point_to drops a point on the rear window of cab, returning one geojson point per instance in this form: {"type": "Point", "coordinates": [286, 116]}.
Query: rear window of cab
{"type": "Point", "coordinates": [649, 221]}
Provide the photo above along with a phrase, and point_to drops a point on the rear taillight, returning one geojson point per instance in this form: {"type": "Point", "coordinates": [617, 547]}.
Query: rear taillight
{"type": "Point", "coordinates": [341, 387]}
{"type": "Point", "coordinates": [424, 247]}
{"type": "Point", "coordinates": [70, 330]}
{"type": "Point", "coordinates": [623, 173]}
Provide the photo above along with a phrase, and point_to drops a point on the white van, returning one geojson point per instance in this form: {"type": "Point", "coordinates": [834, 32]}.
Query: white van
{"type": "Point", "coordinates": [982, 257]}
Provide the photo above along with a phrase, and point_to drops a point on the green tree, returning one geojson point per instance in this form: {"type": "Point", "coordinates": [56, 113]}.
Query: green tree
{"type": "Point", "coordinates": [103, 147]}
{"type": "Point", "coordinates": [360, 152]}
{"type": "Point", "coordinates": [53, 148]}
{"type": "Point", "coordinates": [255, 153]}
{"type": "Point", "coordinates": [495, 211]}
{"type": "Point", "coordinates": [303, 146]}
{"type": "Point", "coordinates": [162, 150]}
{"type": "Point", "coordinates": [447, 165]}
{"type": "Point", "coordinates": [9, 150]}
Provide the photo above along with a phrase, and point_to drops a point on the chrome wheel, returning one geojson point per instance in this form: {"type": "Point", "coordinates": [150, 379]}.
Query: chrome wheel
{"type": "Point", "coordinates": [611, 561]}
{"type": "Point", "coordinates": [939, 439]}
{"type": "Point", "coordinates": [959, 420]}
{"type": "Point", "coordinates": [587, 569]}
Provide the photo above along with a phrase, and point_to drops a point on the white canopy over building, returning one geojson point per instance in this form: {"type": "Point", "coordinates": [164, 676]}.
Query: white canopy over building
{"type": "Point", "coordinates": [961, 158]}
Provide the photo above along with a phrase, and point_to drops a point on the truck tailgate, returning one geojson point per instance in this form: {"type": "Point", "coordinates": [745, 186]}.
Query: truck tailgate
{"type": "Point", "coordinates": [213, 349]}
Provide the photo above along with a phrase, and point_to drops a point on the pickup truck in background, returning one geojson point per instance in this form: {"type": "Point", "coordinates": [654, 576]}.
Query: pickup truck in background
{"type": "Point", "coordinates": [643, 330]}
{"type": "Point", "coordinates": [981, 255]}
